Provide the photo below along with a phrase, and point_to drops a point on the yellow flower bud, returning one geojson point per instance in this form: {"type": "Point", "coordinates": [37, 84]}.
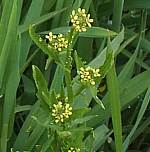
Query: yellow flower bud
{"type": "Point", "coordinates": [80, 20]}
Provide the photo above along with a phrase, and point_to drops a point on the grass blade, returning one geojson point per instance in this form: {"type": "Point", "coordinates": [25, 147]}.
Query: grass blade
{"type": "Point", "coordinates": [40, 20]}
{"type": "Point", "coordinates": [12, 78]}
{"type": "Point", "coordinates": [114, 99]}
{"type": "Point", "coordinates": [117, 14]}
{"type": "Point", "coordinates": [139, 117]}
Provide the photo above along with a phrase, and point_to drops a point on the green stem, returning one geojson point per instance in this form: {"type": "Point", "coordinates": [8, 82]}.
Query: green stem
{"type": "Point", "coordinates": [117, 14]}
{"type": "Point", "coordinates": [112, 79]}
{"type": "Point", "coordinates": [68, 67]}
{"type": "Point", "coordinates": [114, 99]}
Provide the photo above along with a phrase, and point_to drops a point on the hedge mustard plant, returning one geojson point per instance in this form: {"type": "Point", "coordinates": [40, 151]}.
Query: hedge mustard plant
{"type": "Point", "coordinates": [61, 110]}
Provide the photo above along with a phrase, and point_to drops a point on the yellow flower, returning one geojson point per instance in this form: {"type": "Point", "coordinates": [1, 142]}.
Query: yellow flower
{"type": "Point", "coordinates": [49, 36]}
{"type": "Point", "coordinates": [58, 42]}
{"type": "Point", "coordinates": [89, 74]}
{"type": "Point", "coordinates": [74, 149]}
{"type": "Point", "coordinates": [61, 111]}
{"type": "Point", "coordinates": [80, 20]}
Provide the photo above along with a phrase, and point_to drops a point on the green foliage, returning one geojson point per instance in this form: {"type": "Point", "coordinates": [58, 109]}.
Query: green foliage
{"type": "Point", "coordinates": [107, 113]}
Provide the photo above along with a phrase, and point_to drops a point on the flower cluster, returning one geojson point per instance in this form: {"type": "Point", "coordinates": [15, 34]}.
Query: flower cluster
{"type": "Point", "coordinates": [89, 74]}
{"type": "Point", "coordinates": [61, 111]}
{"type": "Point", "coordinates": [57, 42]}
{"type": "Point", "coordinates": [74, 149]}
{"type": "Point", "coordinates": [80, 20]}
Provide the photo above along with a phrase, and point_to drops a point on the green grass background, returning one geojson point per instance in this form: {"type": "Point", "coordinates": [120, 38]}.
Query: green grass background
{"type": "Point", "coordinates": [128, 81]}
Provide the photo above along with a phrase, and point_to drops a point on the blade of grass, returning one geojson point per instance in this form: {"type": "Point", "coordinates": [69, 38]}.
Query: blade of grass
{"type": "Point", "coordinates": [100, 135]}
{"type": "Point", "coordinates": [145, 43]}
{"type": "Point", "coordinates": [27, 127]}
{"type": "Point", "coordinates": [85, 51]}
{"type": "Point", "coordinates": [87, 4]}
{"type": "Point", "coordinates": [40, 20]}
{"type": "Point", "coordinates": [6, 46]}
{"type": "Point", "coordinates": [114, 99]}
{"type": "Point", "coordinates": [127, 71]}
{"type": "Point", "coordinates": [46, 145]}
{"type": "Point", "coordinates": [117, 14]}
{"type": "Point", "coordinates": [137, 4]}
{"type": "Point", "coordinates": [4, 23]}
{"type": "Point", "coordinates": [56, 20]}
{"type": "Point", "coordinates": [33, 13]}
{"type": "Point", "coordinates": [12, 81]}
{"type": "Point", "coordinates": [65, 17]}
{"type": "Point", "coordinates": [22, 108]}
{"type": "Point", "coordinates": [138, 60]}
{"type": "Point", "coordinates": [115, 44]}
{"type": "Point", "coordinates": [34, 137]}
{"type": "Point", "coordinates": [28, 61]}
{"type": "Point", "coordinates": [77, 4]}
{"type": "Point", "coordinates": [141, 129]}
{"type": "Point", "coordinates": [139, 117]}
{"type": "Point", "coordinates": [112, 81]}
{"type": "Point", "coordinates": [57, 80]}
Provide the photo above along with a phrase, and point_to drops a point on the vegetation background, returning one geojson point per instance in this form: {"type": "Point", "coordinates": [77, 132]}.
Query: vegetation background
{"type": "Point", "coordinates": [128, 81]}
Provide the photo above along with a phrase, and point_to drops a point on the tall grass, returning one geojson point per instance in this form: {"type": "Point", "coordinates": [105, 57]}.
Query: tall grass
{"type": "Point", "coordinates": [119, 119]}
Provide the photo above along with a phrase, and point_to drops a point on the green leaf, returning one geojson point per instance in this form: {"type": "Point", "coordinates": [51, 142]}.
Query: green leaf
{"type": "Point", "coordinates": [108, 61]}
{"type": "Point", "coordinates": [33, 12]}
{"type": "Point", "coordinates": [41, 84]}
{"type": "Point", "coordinates": [22, 108]}
{"type": "Point", "coordinates": [39, 20]}
{"type": "Point", "coordinates": [27, 127]}
{"type": "Point", "coordinates": [9, 76]}
{"type": "Point", "coordinates": [139, 117]}
{"type": "Point", "coordinates": [48, 61]}
{"type": "Point", "coordinates": [57, 79]}
{"type": "Point", "coordinates": [56, 20]}
{"type": "Point", "coordinates": [137, 4]}
{"type": "Point", "coordinates": [78, 61]}
{"type": "Point", "coordinates": [114, 99]}
{"type": "Point", "coordinates": [95, 32]}
{"type": "Point", "coordinates": [93, 91]}
{"type": "Point", "coordinates": [141, 129]}
{"type": "Point", "coordinates": [100, 136]}
{"type": "Point", "coordinates": [53, 96]}
{"type": "Point", "coordinates": [33, 138]}
{"type": "Point", "coordinates": [7, 42]}
{"type": "Point", "coordinates": [127, 71]}
{"type": "Point", "coordinates": [4, 22]}
{"type": "Point", "coordinates": [77, 4]}
{"type": "Point", "coordinates": [64, 134]}
{"type": "Point", "coordinates": [47, 144]}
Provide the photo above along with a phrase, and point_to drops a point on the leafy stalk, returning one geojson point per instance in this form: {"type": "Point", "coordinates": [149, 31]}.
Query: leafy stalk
{"type": "Point", "coordinates": [68, 66]}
